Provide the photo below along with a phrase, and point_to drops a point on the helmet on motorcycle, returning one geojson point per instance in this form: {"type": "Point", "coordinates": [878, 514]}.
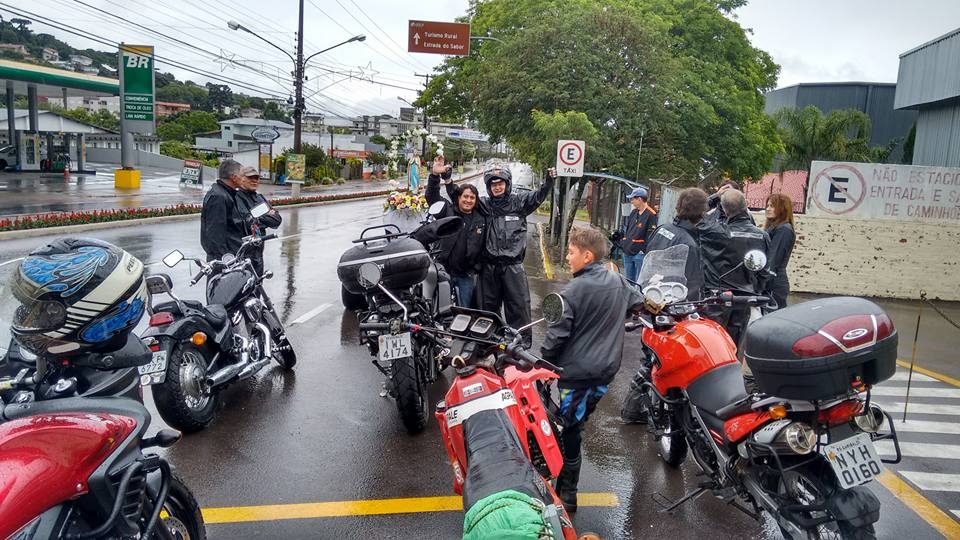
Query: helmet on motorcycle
{"type": "Point", "coordinates": [498, 173]}
{"type": "Point", "coordinates": [76, 295]}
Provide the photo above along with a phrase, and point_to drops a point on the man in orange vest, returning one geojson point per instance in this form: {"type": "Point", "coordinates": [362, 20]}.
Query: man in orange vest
{"type": "Point", "coordinates": [640, 224]}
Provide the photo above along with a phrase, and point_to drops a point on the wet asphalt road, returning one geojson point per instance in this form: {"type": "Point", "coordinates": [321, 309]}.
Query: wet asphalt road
{"type": "Point", "coordinates": [322, 433]}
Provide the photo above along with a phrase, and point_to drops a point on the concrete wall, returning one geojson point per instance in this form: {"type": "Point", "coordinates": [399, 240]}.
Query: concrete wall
{"type": "Point", "coordinates": [146, 159]}
{"type": "Point", "coordinates": [875, 258]}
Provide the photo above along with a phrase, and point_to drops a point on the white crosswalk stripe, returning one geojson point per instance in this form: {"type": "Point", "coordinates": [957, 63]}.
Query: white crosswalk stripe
{"type": "Point", "coordinates": [933, 481]}
{"type": "Point", "coordinates": [901, 392]}
{"type": "Point", "coordinates": [921, 450]}
{"type": "Point", "coordinates": [923, 426]}
{"type": "Point", "coordinates": [904, 375]}
{"type": "Point", "coordinates": [923, 408]}
{"type": "Point", "coordinates": [956, 513]}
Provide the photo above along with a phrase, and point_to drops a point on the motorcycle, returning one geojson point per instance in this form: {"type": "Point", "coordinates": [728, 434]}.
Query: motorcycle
{"type": "Point", "coordinates": [412, 288]}
{"type": "Point", "coordinates": [199, 349]}
{"type": "Point", "coordinates": [802, 447]}
{"type": "Point", "coordinates": [79, 467]}
{"type": "Point", "coordinates": [501, 439]}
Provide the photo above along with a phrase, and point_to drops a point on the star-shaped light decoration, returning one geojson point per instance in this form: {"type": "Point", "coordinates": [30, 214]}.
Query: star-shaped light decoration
{"type": "Point", "coordinates": [367, 72]}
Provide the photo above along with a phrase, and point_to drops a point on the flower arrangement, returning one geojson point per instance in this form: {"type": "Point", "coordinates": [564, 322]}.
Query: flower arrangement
{"type": "Point", "coordinates": [393, 154]}
{"type": "Point", "coordinates": [405, 201]}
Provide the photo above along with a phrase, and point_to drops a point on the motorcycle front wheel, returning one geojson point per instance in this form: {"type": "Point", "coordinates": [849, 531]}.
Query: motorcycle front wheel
{"type": "Point", "coordinates": [673, 443]}
{"type": "Point", "coordinates": [184, 400]}
{"type": "Point", "coordinates": [181, 518]}
{"type": "Point", "coordinates": [411, 394]}
{"type": "Point", "coordinates": [811, 484]}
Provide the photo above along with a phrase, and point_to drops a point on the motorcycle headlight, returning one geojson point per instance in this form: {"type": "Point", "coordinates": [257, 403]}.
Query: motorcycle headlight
{"type": "Point", "coordinates": [799, 437]}
{"type": "Point", "coordinates": [871, 420]}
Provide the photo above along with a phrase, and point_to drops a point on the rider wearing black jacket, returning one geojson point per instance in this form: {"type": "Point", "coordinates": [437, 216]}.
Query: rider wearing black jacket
{"type": "Point", "coordinates": [221, 223]}
{"type": "Point", "coordinates": [459, 253]}
{"type": "Point", "coordinates": [691, 207]}
{"type": "Point", "coordinates": [247, 199]}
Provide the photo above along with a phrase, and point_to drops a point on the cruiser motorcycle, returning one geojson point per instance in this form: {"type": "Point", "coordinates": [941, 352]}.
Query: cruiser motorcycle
{"type": "Point", "coordinates": [199, 349]}
{"type": "Point", "coordinates": [411, 288]}
{"type": "Point", "coordinates": [802, 447]}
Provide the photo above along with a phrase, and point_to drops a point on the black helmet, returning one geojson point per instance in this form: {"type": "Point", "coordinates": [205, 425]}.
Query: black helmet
{"type": "Point", "coordinates": [498, 172]}
{"type": "Point", "coordinates": [76, 295]}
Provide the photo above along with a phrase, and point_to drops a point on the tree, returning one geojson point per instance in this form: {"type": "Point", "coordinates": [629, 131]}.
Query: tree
{"type": "Point", "coordinates": [21, 25]}
{"type": "Point", "coordinates": [459, 149]}
{"type": "Point", "coordinates": [808, 135]}
{"type": "Point", "coordinates": [272, 111]}
{"type": "Point", "coordinates": [219, 96]}
{"type": "Point", "coordinates": [198, 122]}
{"type": "Point", "coordinates": [172, 131]}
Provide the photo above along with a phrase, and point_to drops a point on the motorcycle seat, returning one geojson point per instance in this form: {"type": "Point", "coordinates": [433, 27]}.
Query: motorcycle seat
{"type": "Point", "coordinates": [717, 389]}
{"type": "Point", "coordinates": [495, 460]}
{"type": "Point", "coordinates": [216, 315]}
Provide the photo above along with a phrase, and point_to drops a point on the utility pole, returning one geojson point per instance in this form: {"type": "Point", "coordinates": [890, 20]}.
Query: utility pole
{"type": "Point", "coordinates": [298, 81]}
{"type": "Point", "coordinates": [423, 151]}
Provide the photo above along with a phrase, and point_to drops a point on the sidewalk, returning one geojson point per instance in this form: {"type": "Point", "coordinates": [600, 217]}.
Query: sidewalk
{"type": "Point", "coordinates": [29, 194]}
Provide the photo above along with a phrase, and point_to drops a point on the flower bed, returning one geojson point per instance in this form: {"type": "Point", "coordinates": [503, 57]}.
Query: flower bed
{"type": "Point", "coordinates": [59, 219]}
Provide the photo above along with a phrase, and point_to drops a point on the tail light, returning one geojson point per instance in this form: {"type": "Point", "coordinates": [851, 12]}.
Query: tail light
{"type": "Point", "coordinates": [161, 319]}
{"type": "Point", "coordinates": [840, 413]}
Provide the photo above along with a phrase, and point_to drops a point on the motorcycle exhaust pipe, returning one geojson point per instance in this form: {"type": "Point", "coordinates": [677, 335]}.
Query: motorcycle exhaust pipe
{"type": "Point", "coordinates": [252, 367]}
{"type": "Point", "coordinates": [223, 375]}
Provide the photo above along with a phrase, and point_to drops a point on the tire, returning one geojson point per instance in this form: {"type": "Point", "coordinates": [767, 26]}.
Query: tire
{"type": "Point", "coordinates": [287, 358]}
{"type": "Point", "coordinates": [673, 443]}
{"type": "Point", "coordinates": [811, 483]}
{"type": "Point", "coordinates": [352, 301]}
{"type": "Point", "coordinates": [411, 394]}
{"type": "Point", "coordinates": [183, 400]}
{"type": "Point", "coordinates": [183, 518]}
{"type": "Point", "coordinates": [3, 164]}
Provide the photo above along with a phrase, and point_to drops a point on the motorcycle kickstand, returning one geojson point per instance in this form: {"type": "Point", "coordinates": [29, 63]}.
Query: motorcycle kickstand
{"type": "Point", "coordinates": [671, 506]}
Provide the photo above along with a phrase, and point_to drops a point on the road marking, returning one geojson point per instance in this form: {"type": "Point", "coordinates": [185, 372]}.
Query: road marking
{"type": "Point", "coordinates": [901, 391]}
{"type": "Point", "coordinates": [921, 450]}
{"type": "Point", "coordinates": [904, 375]}
{"type": "Point", "coordinates": [412, 505]}
{"type": "Point", "coordinates": [939, 376]}
{"type": "Point", "coordinates": [956, 513]}
{"type": "Point", "coordinates": [310, 314]}
{"type": "Point", "coordinates": [4, 263]}
{"type": "Point", "coordinates": [924, 426]}
{"type": "Point", "coordinates": [547, 269]}
{"type": "Point", "coordinates": [928, 481]}
{"type": "Point", "coordinates": [928, 511]}
{"type": "Point", "coordinates": [924, 408]}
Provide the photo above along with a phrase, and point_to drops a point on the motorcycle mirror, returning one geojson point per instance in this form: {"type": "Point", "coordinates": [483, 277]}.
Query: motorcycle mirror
{"type": "Point", "coordinates": [369, 275]}
{"type": "Point", "coordinates": [259, 210]}
{"type": "Point", "coordinates": [553, 308]}
{"type": "Point", "coordinates": [755, 260]}
{"type": "Point", "coordinates": [173, 258]}
{"type": "Point", "coordinates": [436, 208]}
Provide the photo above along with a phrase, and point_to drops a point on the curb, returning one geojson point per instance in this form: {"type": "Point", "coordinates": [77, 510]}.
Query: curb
{"type": "Point", "coordinates": [547, 268]}
{"type": "Point", "coordinates": [67, 229]}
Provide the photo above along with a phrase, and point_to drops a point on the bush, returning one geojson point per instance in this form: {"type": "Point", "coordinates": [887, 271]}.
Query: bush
{"type": "Point", "coordinates": [327, 181]}
{"type": "Point", "coordinates": [341, 181]}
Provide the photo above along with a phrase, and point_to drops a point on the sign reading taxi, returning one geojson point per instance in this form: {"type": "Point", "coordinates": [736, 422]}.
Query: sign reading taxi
{"type": "Point", "coordinates": [439, 38]}
{"type": "Point", "coordinates": [570, 156]}
{"type": "Point", "coordinates": [137, 87]}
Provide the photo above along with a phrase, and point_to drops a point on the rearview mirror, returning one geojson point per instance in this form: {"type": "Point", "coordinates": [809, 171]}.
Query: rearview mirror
{"type": "Point", "coordinates": [553, 308]}
{"type": "Point", "coordinates": [260, 210]}
{"type": "Point", "coordinates": [436, 208]}
{"type": "Point", "coordinates": [173, 258]}
{"type": "Point", "coordinates": [369, 275]}
{"type": "Point", "coordinates": [755, 260]}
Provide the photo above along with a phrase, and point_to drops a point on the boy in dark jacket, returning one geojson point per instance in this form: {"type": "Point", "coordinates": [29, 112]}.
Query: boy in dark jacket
{"type": "Point", "coordinates": [587, 343]}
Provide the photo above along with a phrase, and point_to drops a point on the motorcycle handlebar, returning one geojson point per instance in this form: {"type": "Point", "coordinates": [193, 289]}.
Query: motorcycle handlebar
{"type": "Point", "coordinates": [375, 326]}
{"type": "Point", "coordinates": [524, 356]}
{"type": "Point", "coordinates": [270, 236]}
{"type": "Point", "coordinates": [197, 277]}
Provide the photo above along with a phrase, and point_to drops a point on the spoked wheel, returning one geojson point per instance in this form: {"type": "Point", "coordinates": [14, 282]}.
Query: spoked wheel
{"type": "Point", "coordinates": [411, 394]}
{"type": "Point", "coordinates": [811, 484]}
{"type": "Point", "coordinates": [181, 517]}
{"type": "Point", "coordinates": [184, 400]}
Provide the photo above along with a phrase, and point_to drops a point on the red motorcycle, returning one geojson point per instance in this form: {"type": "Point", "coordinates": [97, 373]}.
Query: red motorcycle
{"type": "Point", "coordinates": [802, 447]}
{"type": "Point", "coordinates": [501, 439]}
{"type": "Point", "coordinates": [78, 468]}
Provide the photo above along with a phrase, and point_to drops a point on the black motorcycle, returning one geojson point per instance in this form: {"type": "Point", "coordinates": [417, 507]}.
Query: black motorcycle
{"type": "Point", "coordinates": [198, 349]}
{"type": "Point", "coordinates": [414, 289]}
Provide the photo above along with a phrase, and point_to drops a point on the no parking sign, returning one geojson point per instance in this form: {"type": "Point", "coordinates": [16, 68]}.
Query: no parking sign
{"type": "Point", "coordinates": [570, 156]}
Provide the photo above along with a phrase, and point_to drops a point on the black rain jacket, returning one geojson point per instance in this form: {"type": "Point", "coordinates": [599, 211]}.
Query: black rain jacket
{"type": "Point", "coordinates": [723, 244]}
{"type": "Point", "coordinates": [221, 223]}
{"type": "Point", "coordinates": [682, 232]}
{"type": "Point", "coordinates": [459, 253]}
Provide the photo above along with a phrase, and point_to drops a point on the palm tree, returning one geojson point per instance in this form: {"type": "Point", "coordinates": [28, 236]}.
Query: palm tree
{"type": "Point", "coordinates": [808, 136]}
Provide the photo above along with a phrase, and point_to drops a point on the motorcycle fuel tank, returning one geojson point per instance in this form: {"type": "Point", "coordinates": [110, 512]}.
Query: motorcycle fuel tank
{"type": "Point", "coordinates": [228, 288]}
{"type": "Point", "coordinates": [688, 351]}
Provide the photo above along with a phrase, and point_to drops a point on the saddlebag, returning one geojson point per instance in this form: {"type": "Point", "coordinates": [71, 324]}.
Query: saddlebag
{"type": "Point", "coordinates": [821, 349]}
{"type": "Point", "coordinates": [402, 260]}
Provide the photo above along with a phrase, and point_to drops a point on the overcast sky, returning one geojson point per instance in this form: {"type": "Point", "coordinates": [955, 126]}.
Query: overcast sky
{"type": "Point", "coordinates": [812, 40]}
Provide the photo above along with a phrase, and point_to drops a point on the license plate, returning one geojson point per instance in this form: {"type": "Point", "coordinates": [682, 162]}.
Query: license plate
{"type": "Point", "coordinates": [158, 364]}
{"type": "Point", "coordinates": [394, 347]}
{"type": "Point", "coordinates": [854, 460]}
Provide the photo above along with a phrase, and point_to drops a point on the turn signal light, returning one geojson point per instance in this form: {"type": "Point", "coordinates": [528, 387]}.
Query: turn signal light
{"type": "Point", "coordinates": [198, 339]}
{"type": "Point", "coordinates": [841, 413]}
{"type": "Point", "coordinates": [777, 412]}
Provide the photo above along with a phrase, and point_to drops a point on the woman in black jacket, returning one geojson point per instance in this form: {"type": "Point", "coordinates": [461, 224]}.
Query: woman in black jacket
{"type": "Point", "coordinates": [779, 225]}
{"type": "Point", "coordinates": [459, 253]}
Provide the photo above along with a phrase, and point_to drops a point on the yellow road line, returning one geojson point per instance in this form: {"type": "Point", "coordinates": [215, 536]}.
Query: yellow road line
{"type": "Point", "coordinates": [412, 505]}
{"type": "Point", "coordinates": [547, 269]}
{"type": "Point", "coordinates": [938, 519]}
{"type": "Point", "coordinates": [939, 376]}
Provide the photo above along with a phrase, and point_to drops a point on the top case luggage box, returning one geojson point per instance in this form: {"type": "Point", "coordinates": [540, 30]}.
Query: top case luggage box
{"type": "Point", "coordinates": [821, 349]}
{"type": "Point", "coordinates": [403, 262]}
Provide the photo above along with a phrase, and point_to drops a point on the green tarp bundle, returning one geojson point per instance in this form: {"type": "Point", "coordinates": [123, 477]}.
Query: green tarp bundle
{"type": "Point", "coordinates": [506, 515]}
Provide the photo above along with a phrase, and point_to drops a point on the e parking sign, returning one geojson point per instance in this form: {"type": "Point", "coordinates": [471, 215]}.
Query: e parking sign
{"type": "Point", "coordinates": [137, 87]}
{"type": "Point", "coordinates": [570, 155]}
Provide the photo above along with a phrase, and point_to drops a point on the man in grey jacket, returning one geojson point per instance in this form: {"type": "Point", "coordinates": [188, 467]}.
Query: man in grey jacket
{"type": "Point", "coordinates": [587, 343]}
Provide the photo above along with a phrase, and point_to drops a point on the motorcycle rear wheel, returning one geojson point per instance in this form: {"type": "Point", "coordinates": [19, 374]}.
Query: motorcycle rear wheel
{"type": "Point", "coordinates": [411, 394]}
{"type": "Point", "coordinates": [812, 483]}
{"type": "Point", "coordinates": [183, 519]}
{"type": "Point", "coordinates": [184, 400]}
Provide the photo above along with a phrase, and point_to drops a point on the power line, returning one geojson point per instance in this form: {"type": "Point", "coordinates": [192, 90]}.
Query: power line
{"type": "Point", "coordinates": [399, 46]}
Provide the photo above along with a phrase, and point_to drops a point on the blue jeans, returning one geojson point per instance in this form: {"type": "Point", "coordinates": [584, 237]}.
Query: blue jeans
{"type": "Point", "coordinates": [465, 286]}
{"type": "Point", "coordinates": [631, 265]}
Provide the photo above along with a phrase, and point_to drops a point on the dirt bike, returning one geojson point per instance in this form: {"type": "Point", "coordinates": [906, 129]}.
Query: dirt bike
{"type": "Point", "coordinates": [78, 467]}
{"type": "Point", "coordinates": [802, 447]}
{"type": "Point", "coordinates": [410, 287]}
{"type": "Point", "coordinates": [198, 349]}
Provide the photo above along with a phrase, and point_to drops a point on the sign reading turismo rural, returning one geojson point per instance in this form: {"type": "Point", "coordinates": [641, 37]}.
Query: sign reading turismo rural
{"type": "Point", "coordinates": [439, 38]}
{"type": "Point", "coordinates": [570, 156]}
{"type": "Point", "coordinates": [136, 87]}
{"type": "Point", "coordinates": [878, 191]}
{"type": "Point", "coordinates": [192, 173]}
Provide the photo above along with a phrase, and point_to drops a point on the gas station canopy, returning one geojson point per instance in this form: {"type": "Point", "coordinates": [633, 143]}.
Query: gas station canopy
{"type": "Point", "coordinates": [51, 82]}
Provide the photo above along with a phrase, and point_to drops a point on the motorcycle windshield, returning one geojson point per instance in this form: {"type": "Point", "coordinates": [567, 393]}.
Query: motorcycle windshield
{"type": "Point", "coordinates": [8, 305]}
{"type": "Point", "coordinates": [663, 274]}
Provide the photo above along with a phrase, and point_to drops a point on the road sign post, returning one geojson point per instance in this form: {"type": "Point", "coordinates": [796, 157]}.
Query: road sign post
{"type": "Point", "coordinates": [439, 38]}
{"type": "Point", "coordinates": [570, 157]}
{"type": "Point", "coordinates": [136, 108]}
